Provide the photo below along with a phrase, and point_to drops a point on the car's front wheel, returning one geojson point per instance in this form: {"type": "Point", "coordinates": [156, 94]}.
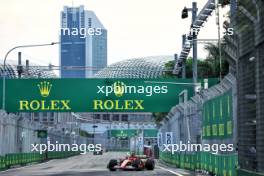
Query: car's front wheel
{"type": "Point", "coordinates": [150, 164]}
{"type": "Point", "coordinates": [136, 164]}
{"type": "Point", "coordinates": [111, 165]}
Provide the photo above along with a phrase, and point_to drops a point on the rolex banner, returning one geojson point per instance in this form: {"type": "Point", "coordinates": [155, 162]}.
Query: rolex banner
{"type": "Point", "coordinates": [93, 95]}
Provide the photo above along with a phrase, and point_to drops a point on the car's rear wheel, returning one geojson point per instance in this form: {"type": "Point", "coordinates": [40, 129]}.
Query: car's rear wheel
{"type": "Point", "coordinates": [150, 164]}
{"type": "Point", "coordinates": [136, 164]}
{"type": "Point", "coordinates": [111, 165]}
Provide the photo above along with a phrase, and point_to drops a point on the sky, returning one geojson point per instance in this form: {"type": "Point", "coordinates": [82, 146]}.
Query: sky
{"type": "Point", "coordinates": [136, 28]}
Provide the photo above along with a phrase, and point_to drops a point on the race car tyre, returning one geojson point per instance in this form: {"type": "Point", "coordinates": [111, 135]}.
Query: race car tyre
{"type": "Point", "coordinates": [111, 165]}
{"type": "Point", "coordinates": [150, 164]}
{"type": "Point", "coordinates": [136, 164]}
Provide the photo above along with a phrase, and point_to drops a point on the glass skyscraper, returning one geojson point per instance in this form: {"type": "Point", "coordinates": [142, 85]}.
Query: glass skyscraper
{"type": "Point", "coordinates": [83, 49]}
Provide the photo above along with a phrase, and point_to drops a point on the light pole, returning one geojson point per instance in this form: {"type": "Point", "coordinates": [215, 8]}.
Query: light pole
{"type": "Point", "coordinates": [194, 38]}
{"type": "Point", "coordinates": [219, 38]}
{"type": "Point", "coordinates": [183, 62]}
{"type": "Point", "coordinates": [4, 67]}
{"type": "Point", "coordinates": [194, 15]}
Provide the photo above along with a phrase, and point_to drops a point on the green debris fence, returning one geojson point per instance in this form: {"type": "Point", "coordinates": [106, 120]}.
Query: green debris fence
{"type": "Point", "coordinates": [14, 159]}
{"type": "Point", "coordinates": [217, 117]}
{"type": "Point", "coordinates": [220, 165]}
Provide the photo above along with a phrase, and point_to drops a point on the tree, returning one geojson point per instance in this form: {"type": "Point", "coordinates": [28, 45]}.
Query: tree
{"type": "Point", "coordinates": [207, 68]}
{"type": "Point", "coordinates": [213, 58]}
{"type": "Point", "coordinates": [159, 116]}
{"type": "Point", "coordinates": [168, 67]}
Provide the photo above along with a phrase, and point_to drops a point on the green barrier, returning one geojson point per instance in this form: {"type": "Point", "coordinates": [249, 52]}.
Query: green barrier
{"type": "Point", "coordinates": [177, 160]}
{"type": "Point", "coordinates": [174, 159]}
{"type": "Point", "coordinates": [193, 164]}
{"type": "Point", "coordinates": [7, 161]}
{"type": "Point", "coordinates": [59, 155]}
{"type": "Point", "coordinates": [210, 162]}
{"type": "Point", "coordinates": [21, 159]}
{"type": "Point", "coordinates": [2, 163]}
{"type": "Point", "coordinates": [187, 162]}
{"type": "Point", "coordinates": [13, 159]}
{"type": "Point", "coordinates": [182, 160]}
{"type": "Point", "coordinates": [220, 165]}
{"type": "Point", "coordinates": [198, 161]}
{"type": "Point", "coordinates": [217, 120]}
{"type": "Point", "coordinates": [216, 165]}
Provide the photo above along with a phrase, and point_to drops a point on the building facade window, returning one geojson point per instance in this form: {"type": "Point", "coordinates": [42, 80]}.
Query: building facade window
{"type": "Point", "coordinates": [106, 117]}
{"type": "Point", "coordinates": [124, 117]}
{"type": "Point", "coordinates": [115, 117]}
{"type": "Point", "coordinates": [97, 116]}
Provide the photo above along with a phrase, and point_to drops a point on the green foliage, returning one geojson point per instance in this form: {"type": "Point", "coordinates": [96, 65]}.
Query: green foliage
{"type": "Point", "coordinates": [213, 59]}
{"type": "Point", "coordinates": [168, 73]}
{"type": "Point", "coordinates": [207, 68]}
{"type": "Point", "coordinates": [85, 134]}
{"type": "Point", "coordinates": [210, 67]}
{"type": "Point", "coordinates": [159, 116]}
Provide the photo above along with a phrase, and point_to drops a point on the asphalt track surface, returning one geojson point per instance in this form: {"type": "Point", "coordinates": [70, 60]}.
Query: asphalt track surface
{"type": "Point", "coordinates": [88, 165]}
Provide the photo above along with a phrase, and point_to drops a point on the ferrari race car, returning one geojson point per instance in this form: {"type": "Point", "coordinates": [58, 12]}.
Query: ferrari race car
{"type": "Point", "coordinates": [132, 162]}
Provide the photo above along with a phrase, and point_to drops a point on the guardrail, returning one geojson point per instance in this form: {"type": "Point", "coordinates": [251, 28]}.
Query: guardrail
{"type": "Point", "coordinates": [15, 159]}
{"type": "Point", "coordinates": [218, 164]}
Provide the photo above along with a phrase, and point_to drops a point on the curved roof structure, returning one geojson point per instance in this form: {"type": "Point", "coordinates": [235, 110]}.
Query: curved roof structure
{"type": "Point", "coordinates": [33, 71]}
{"type": "Point", "coordinates": [145, 67]}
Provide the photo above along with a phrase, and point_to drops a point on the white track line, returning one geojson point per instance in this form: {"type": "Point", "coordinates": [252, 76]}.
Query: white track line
{"type": "Point", "coordinates": [175, 173]}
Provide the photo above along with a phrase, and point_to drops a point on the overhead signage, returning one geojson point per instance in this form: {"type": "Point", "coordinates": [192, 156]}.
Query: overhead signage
{"type": "Point", "coordinates": [42, 133]}
{"type": "Point", "coordinates": [94, 95]}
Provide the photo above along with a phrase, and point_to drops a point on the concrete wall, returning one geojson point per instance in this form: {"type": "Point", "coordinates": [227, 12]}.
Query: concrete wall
{"type": "Point", "coordinates": [185, 119]}
{"type": "Point", "coordinates": [18, 133]}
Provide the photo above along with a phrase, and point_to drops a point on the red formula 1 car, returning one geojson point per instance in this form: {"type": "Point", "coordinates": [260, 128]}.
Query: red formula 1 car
{"type": "Point", "coordinates": [132, 162]}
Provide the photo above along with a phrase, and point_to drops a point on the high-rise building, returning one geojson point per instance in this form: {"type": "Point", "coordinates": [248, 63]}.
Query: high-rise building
{"type": "Point", "coordinates": [83, 43]}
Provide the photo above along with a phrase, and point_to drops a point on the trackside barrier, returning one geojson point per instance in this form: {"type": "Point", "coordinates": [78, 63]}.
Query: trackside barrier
{"type": "Point", "coordinates": [220, 165]}
{"type": "Point", "coordinates": [2, 163]}
{"type": "Point", "coordinates": [21, 159]}
{"type": "Point", "coordinates": [59, 155]}
{"type": "Point", "coordinates": [242, 172]}
{"type": "Point", "coordinates": [14, 159]}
